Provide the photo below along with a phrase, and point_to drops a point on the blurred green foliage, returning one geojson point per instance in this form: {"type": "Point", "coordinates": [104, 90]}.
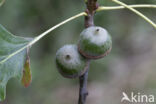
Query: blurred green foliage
{"type": "Point", "coordinates": [132, 37]}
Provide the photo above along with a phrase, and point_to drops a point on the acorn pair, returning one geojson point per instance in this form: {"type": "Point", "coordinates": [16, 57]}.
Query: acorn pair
{"type": "Point", "coordinates": [94, 43]}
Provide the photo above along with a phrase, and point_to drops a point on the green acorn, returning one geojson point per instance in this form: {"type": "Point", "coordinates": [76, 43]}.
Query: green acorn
{"type": "Point", "coordinates": [69, 62]}
{"type": "Point", "coordinates": [95, 42]}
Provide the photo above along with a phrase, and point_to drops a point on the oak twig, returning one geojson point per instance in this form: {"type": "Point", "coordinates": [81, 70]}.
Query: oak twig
{"type": "Point", "coordinates": [83, 87]}
{"type": "Point", "coordinates": [89, 21]}
{"type": "Point", "coordinates": [91, 9]}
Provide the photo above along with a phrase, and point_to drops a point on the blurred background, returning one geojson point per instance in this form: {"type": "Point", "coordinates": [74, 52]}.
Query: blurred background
{"type": "Point", "coordinates": [130, 67]}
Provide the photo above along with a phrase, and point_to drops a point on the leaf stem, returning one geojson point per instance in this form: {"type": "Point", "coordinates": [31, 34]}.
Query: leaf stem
{"type": "Point", "coordinates": [42, 35]}
{"type": "Point", "coordinates": [56, 26]}
{"type": "Point", "coordinates": [136, 12]}
{"type": "Point", "coordinates": [101, 8]}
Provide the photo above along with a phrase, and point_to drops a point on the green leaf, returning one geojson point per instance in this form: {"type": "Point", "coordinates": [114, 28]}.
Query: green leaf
{"type": "Point", "coordinates": [11, 65]}
{"type": "Point", "coordinates": [2, 2]}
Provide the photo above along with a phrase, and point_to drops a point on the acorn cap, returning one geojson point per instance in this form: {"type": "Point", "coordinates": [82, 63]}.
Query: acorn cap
{"type": "Point", "coordinates": [70, 63]}
{"type": "Point", "coordinates": [95, 42]}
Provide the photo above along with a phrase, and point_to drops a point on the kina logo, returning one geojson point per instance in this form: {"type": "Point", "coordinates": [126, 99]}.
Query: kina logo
{"type": "Point", "coordinates": [137, 98]}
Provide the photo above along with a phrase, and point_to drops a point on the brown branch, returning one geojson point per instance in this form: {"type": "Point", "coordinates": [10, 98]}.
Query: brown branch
{"type": "Point", "coordinates": [89, 21]}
